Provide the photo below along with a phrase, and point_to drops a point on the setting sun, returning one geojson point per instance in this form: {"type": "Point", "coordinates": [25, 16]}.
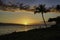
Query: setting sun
{"type": "Point", "coordinates": [25, 23]}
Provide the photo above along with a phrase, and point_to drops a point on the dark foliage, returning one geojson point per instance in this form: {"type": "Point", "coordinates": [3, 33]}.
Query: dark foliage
{"type": "Point", "coordinates": [57, 20]}
{"type": "Point", "coordinates": [1, 3]}
{"type": "Point", "coordinates": [41, 9]}
{"type": "Point", "coordinates": [58, 7]}
{"type": "Point", "coordinates": [24, 7]}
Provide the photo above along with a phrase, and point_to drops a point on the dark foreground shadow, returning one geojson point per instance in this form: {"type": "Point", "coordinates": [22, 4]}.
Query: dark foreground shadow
{"type": "Point", "coordinates": [51, 33]}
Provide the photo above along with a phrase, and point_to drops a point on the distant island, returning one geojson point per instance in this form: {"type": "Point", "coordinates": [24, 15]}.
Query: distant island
{"type": "Point", "coordinates": [15, 24]}
{"type": "Point", "coordinates": [10, 24]}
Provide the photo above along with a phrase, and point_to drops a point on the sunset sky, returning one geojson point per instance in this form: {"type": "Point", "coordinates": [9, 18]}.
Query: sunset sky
{"type": "Point", "coordinates": [24, 17]}
{"type": "Point", "coordinates": [34, 2]}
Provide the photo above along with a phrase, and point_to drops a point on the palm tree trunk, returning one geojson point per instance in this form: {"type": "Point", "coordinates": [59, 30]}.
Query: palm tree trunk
{"type": "Point", "coordinates": [44, 19]}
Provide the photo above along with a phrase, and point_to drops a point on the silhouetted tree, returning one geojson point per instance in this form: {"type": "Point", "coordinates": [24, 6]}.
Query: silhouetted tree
{"type": "Point", "coordinates": [26, 7]}
{"type": "Point", "coordinates": [58, 7]}
{"type": "Point", "coordinates": [41, 9]}
{"type": "Point", "coordinates": [12, 5]}
{"type": "Point", "coordinates": [21, 6]}
{"type": "Point", "coordinates": [57, 20]}
{"type": "Point", "coordinates": [1, 3]}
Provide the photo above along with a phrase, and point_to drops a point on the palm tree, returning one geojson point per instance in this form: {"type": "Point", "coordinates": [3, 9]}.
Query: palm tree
{"type": "Point", "coordinates": [41, 9]}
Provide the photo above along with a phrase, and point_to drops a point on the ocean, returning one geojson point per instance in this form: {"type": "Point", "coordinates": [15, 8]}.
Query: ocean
{"type": "Point", "coordinates": [10, 29]}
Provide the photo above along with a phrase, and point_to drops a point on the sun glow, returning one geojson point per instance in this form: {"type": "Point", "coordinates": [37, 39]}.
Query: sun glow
{"type": "Point", "coordinates": [25, 23]}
